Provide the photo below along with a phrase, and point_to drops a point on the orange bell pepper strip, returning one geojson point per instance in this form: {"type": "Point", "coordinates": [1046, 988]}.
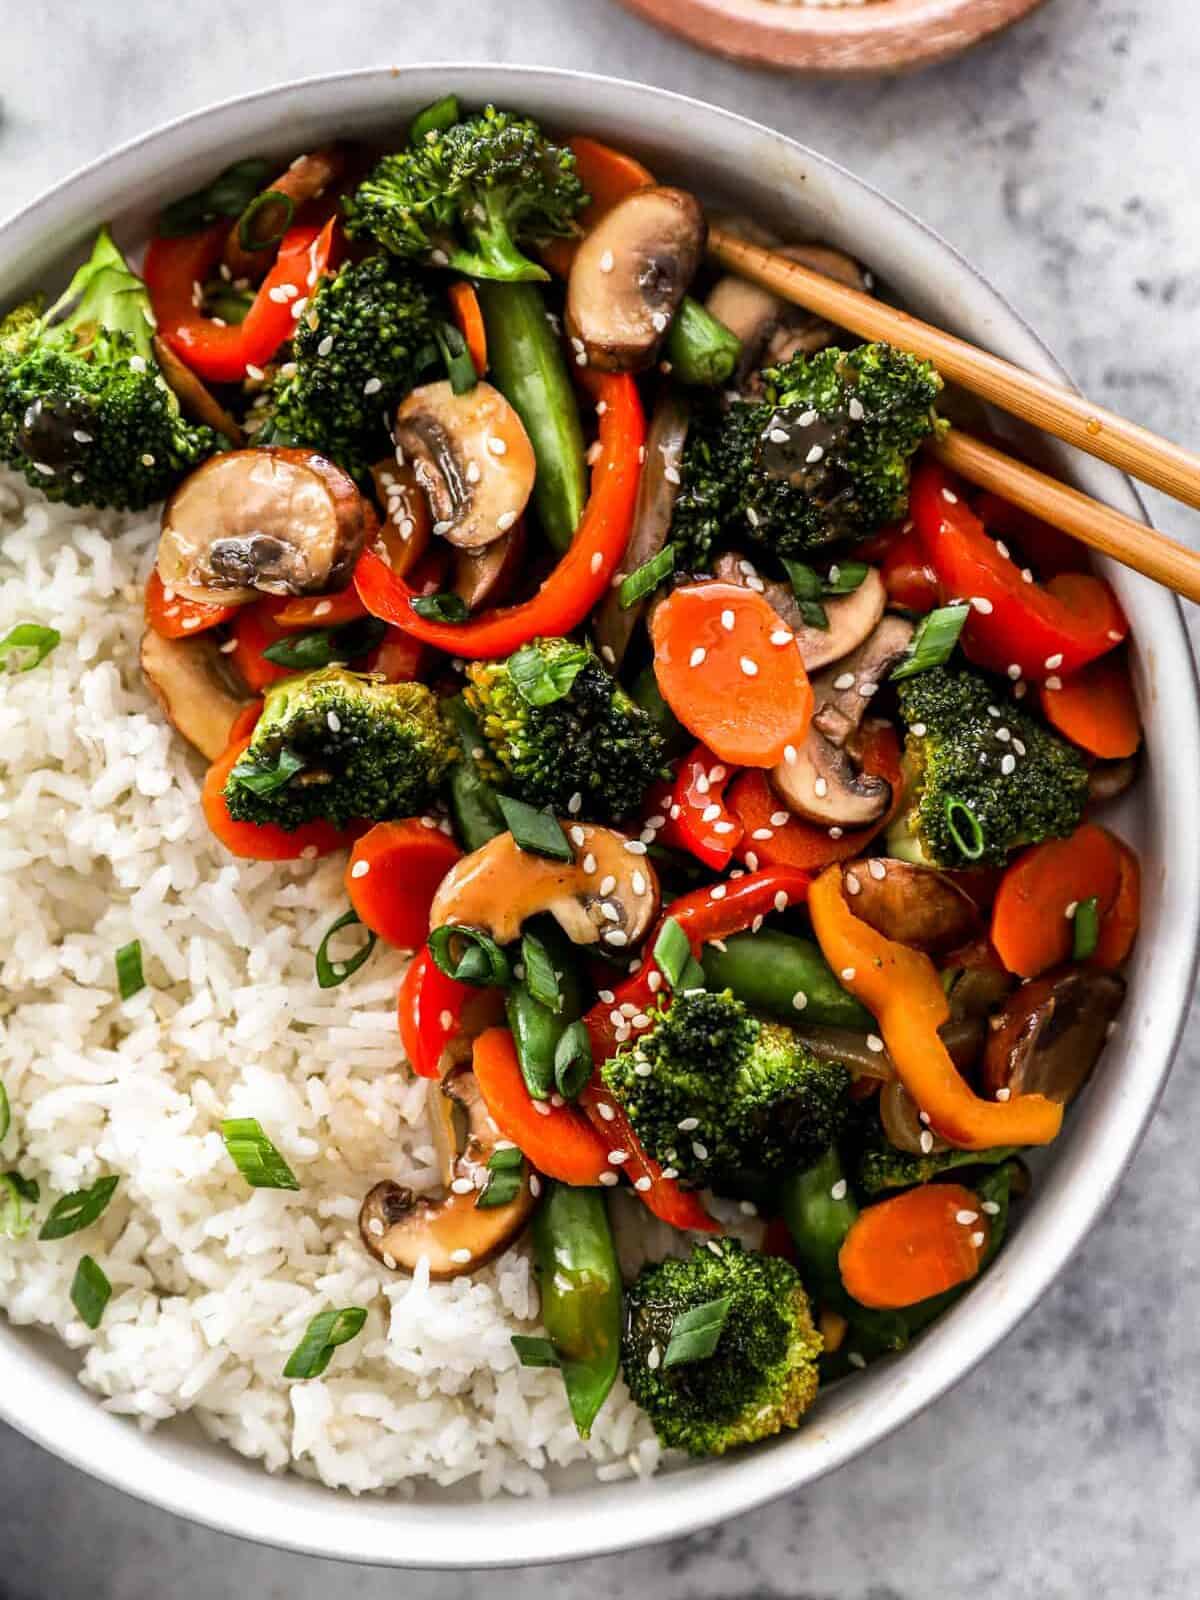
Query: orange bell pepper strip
{"type": "Point", "coordinates": [176, 618]}
{"type": "Point", "coordinates": [1095, 708]}
{"type": "Point", "coordinates": [901, 987]}
{"type": "Point", "coordinates": [580, 578]}
{"type": "Point", "coordinates": [914, 1246]}
{"type": "Point", "coordinates": [392, 875]}
{"type": "Point", "coordinates": [1031, 915]}
{"type": "Point", "coordinates": [556, 1139]}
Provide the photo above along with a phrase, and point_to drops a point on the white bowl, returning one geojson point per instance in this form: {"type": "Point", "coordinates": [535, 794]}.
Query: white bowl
{"type": "Point", "coordinates": [730, 159]}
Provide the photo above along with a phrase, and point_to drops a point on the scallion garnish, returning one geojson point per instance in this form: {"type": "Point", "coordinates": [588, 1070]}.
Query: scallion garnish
{"type": "Point", "coordinates": [541, 681]}
{"type": "Point", "coordinates": [964, 827]}
{"type": "Point", "coordinates": [460, 368]}
{"type": "Point", "coordinates": [227, 195]}
{"type": "Point", "coordinates": [645, 579]}
{"type": "Point", "coordinates": [809, 586]}
{"type": "Point", "coordinates": [5, 1113]}
{"type": "Point", "coordinates": [845, 577]}
{"type": "Point", "coordinates": [934, 641]}
{"type": "Point", "coordinates": [27, 645]}
{"type": "Point", "coordinates": [16, 1195]}
{"type": "Point", "coordinates": [672, 951]}
{"type": "Point", "coordinates": [470, 956]}
{"type": "Point", "coordinates": [330, 973]}
{"type": "Point", "coordinates": [325, 1332]}
{"type": "Point", "coordinates": [128, 961]}
{"type": "Point", "coordinates": [255, 1157]}
{"type": "Point", "coordinates": [540, 977]}
{"type": "Point", "coordinates": [252, 221]}
{"type": "Point", "coordinates": [695, 1334]}
{"type": "Point", "coordinates": [260, 779]}
{"type": "Point", "coordinates": [304, 652]}
{"type": "Point", "coordinates": [90, 1291]}
{"type": "Point", "coordinates": [535, 1352]}
{"type": "Point", "coordinates": [506, 1175]}
{"type": "Point", "coordinates": [442, 114]}
{"type": "Point", "coordinates": [1087, 928]}
{"type": "Point", "coordinates": [535, 831]}
{"type": "Point", "coordinates": [74, 1212]}
{"type": "Point", "coordinates": [572, 1060]}
{"type": "Point", "coordinates": [441, 607]}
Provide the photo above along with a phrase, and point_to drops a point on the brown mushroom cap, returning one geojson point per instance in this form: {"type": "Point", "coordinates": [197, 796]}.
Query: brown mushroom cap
{"type": "Point", "coordinates": [454, 1234]}
{"type": "Point", "coordinates": [1108, 780]}
{"type": "Point", "coordinates": [773, 330]}
{"type": "Point", "coordinates": [1050, 1033]}
{"type": "Point", "coordinates": [196, 688]}
{"type": "Point", "coordinates": [852, 617]}
{"type": "Point", "coordinates": [917, 906]}
{"type": "Point", "coordinates": [484, 574]}
{"type": "Point", "coordinates": [472, 457]}
{"type": "Point", "coordinates": [608, 893]}
{"type": "Point", "coordinates": [280, 521]}
{"type": "Point", "coordinates": [629, 275]}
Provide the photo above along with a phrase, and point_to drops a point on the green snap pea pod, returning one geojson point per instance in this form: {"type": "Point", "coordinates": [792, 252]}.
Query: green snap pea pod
{"type": "Point", "coordinates": [528, 367]}
{"type": "Point", "coordinates": [768, 970]}
{"type": "Point", "coordinates": [700, 348]}
{"type": "Point", "coordinates": [644, 691]}
{"type": "Point", "coordinates": [472, 799]}
{"type": "Point", "coordinates": [580, 1281]}
{"type": "Point", "coordinates": [536, 1028]}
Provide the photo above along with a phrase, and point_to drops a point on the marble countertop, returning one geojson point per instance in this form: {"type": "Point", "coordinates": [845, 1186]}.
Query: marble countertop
{"type": "Point", "coordinates": [1068, 1464]}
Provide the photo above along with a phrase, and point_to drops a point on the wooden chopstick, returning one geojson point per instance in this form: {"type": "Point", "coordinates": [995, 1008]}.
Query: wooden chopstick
{"type": "Point", "coordinates": [1035, 400]}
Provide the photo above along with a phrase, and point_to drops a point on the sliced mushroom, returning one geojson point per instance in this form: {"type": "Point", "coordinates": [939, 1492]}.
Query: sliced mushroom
{"type": "Point", "coordinates": [917, 906]}
{"type": "Point", "coordinates": [484, 574]}
{"type": "Point", "coordinates": [454, 1234]}
{"type": "Point", "coordinates": [195, 399]}
{"type": "Point", "coordinates": [277, 520]}
{"type": "Point", "coordinates": [1050, 1033]}
{"type": "Point", "coordinates": [962, 1039]}
{"type": "Point", "coordinates": [269, 213]}
{"type": "Point", "coordinates": [405, 531]}
{"type": "Point", "coordinates": [771, 329]}
{"type": "Point", "coordinates": [196, 688]}
{"type": "Point", "coordinates": [852, 617]}
{"type": "Point", "coordinates": [842, 693]}
{"type": "Point", "coordinates": [500, 886]}
{"type": "Point", "coordinates": [629, 275]}
{"type": "Point", "coordinates": [472, 457]}
{"type": "Point", "coordinates": [1108, 780]}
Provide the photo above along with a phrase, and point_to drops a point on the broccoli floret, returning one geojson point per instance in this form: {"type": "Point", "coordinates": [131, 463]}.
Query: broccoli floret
{"type": "Point", "coordinates": [364, 341]}
{"type": "Point", "coordinates": [466, 196]}
{"type": "Point", "coordinates": [334, 745]}
{"type": "Point", "coordinates": [85, 412]}
{"type": "Point", "coordinates": [882, 1167]}
{"type": "Point", "coordinates": [824, 458]}
{"type": "Point", "coordinates": [713, 1093]}
{"type": "Point", "coordinates": [762, 1376]}
{"type": "Point", "coordinates": [557, 725]}
{"type": "Point", "coordinates": [972, 753]}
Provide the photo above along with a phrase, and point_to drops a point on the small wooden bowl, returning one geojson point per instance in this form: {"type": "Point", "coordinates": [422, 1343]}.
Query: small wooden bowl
{"type": "Point", "coordinates": [880, 36]}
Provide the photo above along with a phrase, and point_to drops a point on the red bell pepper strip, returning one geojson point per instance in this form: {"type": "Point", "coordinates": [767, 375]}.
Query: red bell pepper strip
{"type": "Point", "coordinates": [661, 1195]}
{"type": "Point", "coordinates": [580, 578]}
{"type": "Point", "coordinates": [321, 610]}
{"type": "Point", "coordinates": [704, 824]}
{"type": "Point", "coordinates": [176, 618]}
{"type": "Point", "coordinates": [398, 659]}
{"type": "Point", "coordinates": [260, 841]}
{"type": "Point", "coordinates": [907, 576]}
{"type": "Point", "coordinates": [429, 1011]}
{"type": "Point", "coordinates": [392, 875]}
{"type": "Point", "coordinates": [255, 629]}
{"type": "Point", "coordinates": [1036, 542]}
{"type": "Point", "coordinates": [221, 354]}
{"type": "Point", "coordinates": [1015, 625]}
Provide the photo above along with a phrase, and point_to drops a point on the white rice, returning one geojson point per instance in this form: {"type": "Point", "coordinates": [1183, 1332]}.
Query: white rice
{"type": "Point", "coordinates": [102, 842]}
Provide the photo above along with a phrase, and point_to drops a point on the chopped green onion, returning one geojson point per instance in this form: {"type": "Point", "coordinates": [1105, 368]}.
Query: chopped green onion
{"type": "Point", "coordinates": [248, 228]}
{"type": "Point", "coordinates": [16, 1193]}
{"type": "Point", "coordinates": [5, 1113]}
{"type": "Point", "coordinates": [535, 1352]}
{"type": "Point", "coordinates": [540, 977]}
{"type": "Point", "coordinates": [27, 645]}
{"type": "Point", "coordinates": [227, 195]}
{"type": "Point", "coordinates": [535, 831]}
{"type": "Point", "coordinates": [452, 347]}
{"type": "Point", "coordinates": [1087, 927]}
{"type": "Point", "coordinates": [540, 682]}
{"type": "Point", "coordinates": [306, 651]}
{"type": "Point", "coordinates": [252, 775]}
{"type": "Point", "coordinates": [645, 579]}
{"type": "Point", "coordinates": [573, 1063]}
{"type": "Point", "coordinates": [90, 1291]}
{"type": "Point", "coordinates": [692, 976]}
{"type": "Point", "coordinates": [434, 119]}
{"type": "Point", "coordinates": [76, 1211]}
{"type": "Point", "coordinates": [672, 951]}
{"type": "Point", "coordinates": [964, 827]}
{"type": "Point", "coordinates": [506, 1177]}
{"type": "Point", "coordinates": [255, 1157]}
{"type": "Point", "coordinates": [330, 973]}
{"type": "Point", "coordinates": [130, 979]}
{"type": "Point", "coordinates": [469, 956]}
{"type": "Point", "coordinates": [844, 577]}
{"type": "Point", "coordinates": [325, 1332]}
{"type": "Point", "coordinates": [695, 1334]}
{"type": "Point", "coordinates": [807, 587]}
{"type": "Point", "coordinates": [441, 607]}
{"type": "Point", "coordinates": [934, 640]}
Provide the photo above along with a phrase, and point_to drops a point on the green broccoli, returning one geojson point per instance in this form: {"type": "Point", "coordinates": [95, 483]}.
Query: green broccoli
{"type": "Point", "coordinates": [557, 725]}
{"type": "Point", "coordinates": [982, 776]}
{"type": "Point", "coordinates": [85, 413]}
{"type": "Point", "coordinates": [882, 1167]}
{"type": "Point", "coordinates": [334, 745]}
{"type": "Point", "coordinates": [823, 459]}
{"type": "Point", "coordinates": [762, 1375]}
{"type": "Point", "coordinates": [714, 1094]}
{"type": "Point", "coordinates": [466, 196]}
{"type": "Point", "coordinates": [366, 337]}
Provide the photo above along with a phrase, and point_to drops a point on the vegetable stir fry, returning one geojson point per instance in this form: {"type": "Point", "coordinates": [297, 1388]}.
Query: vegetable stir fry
{"type": "Point", "coordinates": [732, 774]}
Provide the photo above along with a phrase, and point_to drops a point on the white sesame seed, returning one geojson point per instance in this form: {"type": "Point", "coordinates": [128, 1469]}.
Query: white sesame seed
{"type": "Point", "coordinates": [462, 1186]}
{"type": "Point", "coordinates": [147, 459]}
{"type": "Point", "coordinates": [373, 386]}
{"type": "Point", "coordinates": [781, 900]}
{"type": "Point", "coordinates": [814, 455]}
{"type": "Point", "coordinates": [688, 1125]}
{"type": "Point", "coordinates": [82, 437]}
{"type": "Point", "coordinates": [1053, 683]}
{"type": "Point", "coordinates": [848, 974]}
{"type": "Point", "coordinates": [616, 937]}
{"type": "Point", "coordinates": [608, 1179]}
{"type": "Point", "coordinates": [723, 827]}
{"type": "Point", "coordinates": [596, 562]}
{"type": "Point", "coordinates": [981, 604]}
{"type": "Point", "coordinates": [670, 1173]}
{"type": "Point", "coordinates": [790, 754]}
{"type": "Point", "coordinates": [697, 656]}
{"type": "Point", "coordinates": [782, 636]}
{"type": "Point", "coordinates": [505, 520]}
{"type": "Point", "coordinates": [1054, 661]}
{"type": "Point", "coordinates": [1003, 1094]}
{"type": "Point", "coordinates": [540, 1106]}
{"type": "Point", "coordinates": [763, 834]}
{"type": "Point", "coordinates": [1014, 671]}
{"type": "Point", "coordinates": [979, 1239]}
{"type": "Point", "coordinates": [855, 408]}
{"type": "Point", "coordinates": [658, 321]}
{"type": "Point", "coordinates": [749, 667]}
{"type": "Point", "coordinates": [778, 436]}
{"type": "Point", "coordinates": [877, 869]}
{"type": "Point", "coordinates": [799, 1000]}
{"type": "Point", "coordinates": [710, 813]}
{"type": "Point", "coordinates": [835, 832]}
{"type": "Point", "coordinates": [462, 1255]}
{"type": "Point", "coordinates": [718, 891]}
{"type": "Point", "coordinates": [728, 621]}
{"type": "Point", "coordinates": [990, 1208]}
{"type": "Point", "coordinates": [442, 528]}
{"type": "Point", "coordinates": [844, 680]}
{"type": "Point", "coordinates": [875, 1043]}
{"type": "Point", "coordinates": [926, 1142]}
{"type": "Point", "coordinates": [1026, 575]}
{"type": "Point", "coordinates": [838, 1192]}
{"type": "Point", "coordinates": [577, 836]}
{"type": "Point", "coordinates": [326, 345]}
{"type": "Point", "coordinates": [360, 869]}
{"type": "Point", "coordinates": [699, 1150]}
{"type": "Point", "coordinates": [1115, 636]}
{"type": "Point", "coordinates": [856, 1360]}
{"type": "Point", "coordinates": [702, 784]}
{"type": "Point", "coordinates": [1004, 735]}
{"type": "Point", "coordinates": [497, 446]}
{"type": "Point", "coordinates": [780, 818]}
{"type": "Point", "coordinates": [853, 886]}
{"type": "Point", "coordinates": [638, 881]}
{"type": "Point", "coordinates": [1008, 765]}
{"type": "Point", "coordinates": [299, 307]}
{"type": "Point", "coordinates": [375, 1227]}
{"type": "Point", "coordinates": [636, 847]}
{"type": "Point", "coordinates": [609, 911]}
{"type": "Point", "coordinates": [618, 1158]}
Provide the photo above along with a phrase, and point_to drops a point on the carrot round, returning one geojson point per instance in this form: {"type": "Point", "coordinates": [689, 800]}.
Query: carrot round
{"type": "Point", "coordinates": [259, 841]}
{"type": "Point", "coordinates": [1095, 709]}
{"type": "Point", "coordinates": [468, 318]}
{"type": "Point", "coordinates": [558, 1140]}
{"type": "Point", "coordinates": [1119, 925]}
{"type": "Point", "coordinates": [393, 874]}
{"type": "Point", "coordinates": [1031, 916]}
{"type": "Point", "coordinates": [914, 1246]}
{"type": "Point", "coordinates": [321, 610]}
{"type": "Point", "coordinates": [729, 669]}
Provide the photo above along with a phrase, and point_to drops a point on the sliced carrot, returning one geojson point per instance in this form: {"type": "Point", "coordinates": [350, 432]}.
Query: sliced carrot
{"type": "Point", "coordinates": [608, 175]}
{"type": "Point", "coordinates": [730, 671]}
{"type": "Point", "coordinates": [1119, 924]}
{"type": "Point", "coordinates": [1096, 709]}
{"type": "Point", "coordinates": [176, 618]}
{"type": "Point", "coordinates": [393, 874]}
{"type": "Point", "coordinates": [255, 629]}
{"type": "Point", "coordinates": [916, 1245]}
{"type": "Point", "coordinates": [796, 843]}
{"type": "Point", "coordinates": [320, 610]}
{"type": "Point", "coordinates": [257, 841]}
{"type": "Point", "coordinates": [558, 1140]}
{"type": "Point", "coordinates": [1031, 917]}
{"type": "Point", "coordinates": [468, 318]}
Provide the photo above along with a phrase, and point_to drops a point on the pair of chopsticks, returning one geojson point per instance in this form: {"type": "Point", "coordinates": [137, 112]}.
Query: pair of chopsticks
{"type": "Point", "coordinates": [1035, 400]}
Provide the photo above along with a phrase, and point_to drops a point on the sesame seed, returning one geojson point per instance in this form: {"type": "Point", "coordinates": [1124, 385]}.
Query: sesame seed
{"type": "Point", "coordinates": [844, 680]}
{"type": "Point", "coordinates": [856, 1360]}
{"type": "Point", "coordinates": [299, 307]}
{"type": "Point", "coordinates": [615, 936]}
{"type": "Point", "coordinates": [1026, 575]}
{"type": "Point", "coordinates": [636, 847]}
{"type": "Point", "coordinates": [654, 982]}
{"type": "Point", "coordinates": [442, 528]}
{"type": "Point", "coordinates": [474, 472]}
{"type": "Point", "coordinates": [718, 891]}
{"type": "Point", "coordinates": [699, 1150]}
{"type": "Point", "coordinates": [779, 818]}
{"type": "Point", "coordinates": [360, 869]}
{"type": "Point", "coordinates": [596, 562]}
{"type": "Point", "coordinates": [875, 1043]}
{"type": "Point", "coordinates": [326, 345]}
{"type": "Point", "coordinates": [505, 520]}
{"type": "Point", "coordinates": [138, 363]}
{"type": "Point", "coordinates": [1053, 683]}
{"type": "Point", "coordinates": [618, 1158]}
{"type": "Point", "coordinates": [608, 1179]}
{"type": "Point", "coordinates": [877, 869]}
{"type": "Point", "coordinates": [589, 866]}
{"type": "Point", "coordinates": [1003, 1094]}
{"type": "Point", "coordinates": [838, 1192]}
{"type": "Point", "coordinates": [835, 832]}
{"type": "Point", "coordinates": [710, 813]}
{"type": "Point", "coordinates": [781, 900]}
{"type": "Point", "coordinates": [82, 437]}
{"type": "Point", "coordinates": [848, 974]}
{"type": "Point", "coordinates": [752, 860]}
{"type": "Point", "coordinates": [799, 1000]}
{"type": "Point", "coordinates": [462, 1186]}
{"type": "Point", "coordinates": [981, 604]}
{"type": "Point", "coordinates": [1018, 746]}
{"type": "Point", "coordinates": [638, 881]}
{"type": "Point", "coordinates": [728, 621]}
{"type": "Point", "coordinates": [866, 690]}
{"type": "Point", "coordinates": [702, 784]}
{"type": "Point", "coordinates": [147, 459]}
{"type": "Point", "coordinates": [497, 446]}
{"type": "Point", "coordinates": [926, 1142]}
{"type": "Point", "coordinates": [790, 754]}
{"type": "Point", "coordinates": [966, 1218]}
{"type": "Point", "coordinates": [688, 1125]}
{"type": "Point", "coordinates": [782, 636]}
{"type": "Point", "coordinates": [372, 385]}
{"type": "Point", "coordinates": [722, 827]}
{"type": "Point", "coordinates": [1008, 765]}
{"type": "Point", "coordinates": [778, 436]}
{"type": "Point", "coordinates": [375, 1227]}
{"type": "Point", "coordinates": [855, 408]}
{"type": "Point", "coordinates": [606, 261]}
{"type": "Point", "coordinates": [609, 911]}
{"type": "Point", "coordinates": [814, 455]}
{"type": "Point", "coordinates": [1115, 636]}
{"type": "Point", "coordinates": [990, 1208]}
{"type": "Point", "coordinates": [577, 836]}
{"type": "Point", "coordinates": [642, 1185]}
{"type": "Point", "coordinates": [697, 656]}
{"type": "Point", "coordinates": [853, 886]}
{"type": "Point", "coordinates": [763, 834]}
{"type": "Point", "coordinates": [462, 1255]}
{"type": "Point", "coordinates": [540, 1106]}
{"type": "Point", "coordinates": [807, 418]}
{"type": "Point", "coordinates": [671, 474]}
{"type": "Point", "coordinates": [595, 451]}
{"type": "Point", "coordinates": [1054, 661]}
{"type": "Point", "coordinates": [749, 667]}
{"type": "Point", "coordinates": [670, 1173]}
{"type": "Point", "coordinates": [1004, 735]}
{"type": "Point", "coordinates": [658, 321]}
{"type": "Point", "coordinates": [1014, 671]}
{"type": "Point", "coordinates": [979, 1239]}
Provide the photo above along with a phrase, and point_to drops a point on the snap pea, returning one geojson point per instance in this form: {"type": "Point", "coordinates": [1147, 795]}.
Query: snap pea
{"type": "Point", "coordinates": [700, 348]}
{"type": "Point", "coordinates": [768, 969]}
{"type": "Point", "coordinates": [528, 367]}
{"type": "Point", "coordinates": [644, 691]}
{"type": "Point", "coordinates": [576, 1262]}
{"type": "Point", "coordinates": [536, 1029]}
{"type": "Point", "coordinates": [473, 804]}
